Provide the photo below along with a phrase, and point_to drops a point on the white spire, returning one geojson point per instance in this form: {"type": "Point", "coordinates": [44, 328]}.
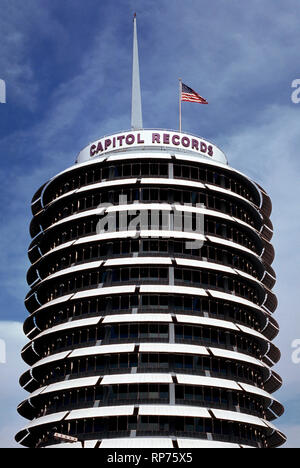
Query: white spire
{"type": "Point", "coordinates": [136, 104]}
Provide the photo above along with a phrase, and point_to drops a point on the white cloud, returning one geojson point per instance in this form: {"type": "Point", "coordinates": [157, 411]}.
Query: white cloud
{"type": "Point", "coordinates": [293, 435]}
{"type": "Point", "coordinates": [11, 393]}
{"type": "Point", "coordinates": [20, 24]}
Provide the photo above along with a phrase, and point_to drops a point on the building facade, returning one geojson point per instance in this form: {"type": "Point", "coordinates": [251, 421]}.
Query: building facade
{"type": "Point", "coordinates": [151, 304]}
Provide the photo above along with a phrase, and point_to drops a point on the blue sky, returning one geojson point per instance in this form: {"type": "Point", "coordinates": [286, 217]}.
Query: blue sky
{"type": "Point", "coordinates": [67, 68]}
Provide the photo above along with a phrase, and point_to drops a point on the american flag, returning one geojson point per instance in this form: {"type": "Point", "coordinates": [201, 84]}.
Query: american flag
{"type": "Point", "coordinates": [188, 94]}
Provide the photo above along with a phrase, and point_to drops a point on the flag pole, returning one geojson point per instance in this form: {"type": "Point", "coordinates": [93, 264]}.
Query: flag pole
{"type": "Point", "coordinates": [180, 92]}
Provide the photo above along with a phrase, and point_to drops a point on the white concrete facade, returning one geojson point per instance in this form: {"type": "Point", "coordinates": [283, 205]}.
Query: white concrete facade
{"type": "Point", "coordinates": [137, 340]}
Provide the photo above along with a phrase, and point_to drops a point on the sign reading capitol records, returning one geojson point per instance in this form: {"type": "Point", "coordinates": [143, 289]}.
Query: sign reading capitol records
{"type": "Point", "coordinates": [170, 140]}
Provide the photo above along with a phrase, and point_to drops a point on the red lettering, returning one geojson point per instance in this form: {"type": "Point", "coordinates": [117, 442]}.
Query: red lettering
{"type": "Point", "coordinates": [130, 139]}
{"type": "Point", "coordinates": [166, 139]}
{"type": "Point", "coordinates": [203, 147]}
{"type": "Point", "coordinates": [107, 144]}
{"type": "Point", "coordinates": [195, 144]}
{"type": "Point", "coordinates": [120, 139]}
{"type": "Point", "coordinates": [139, 140]}
{"type": "Point", "coordinates": [99, 147]}
{"type": "Point", "coordinates": [175, 140]}
{"type": "Point", "coordinates": [93, 150]}
{"type": "Point", "coordinates": [210, 150]}
{"type": "Point", "coordinates": [185, 142]}
{"type": "Point", "coordinates": [156, 138]}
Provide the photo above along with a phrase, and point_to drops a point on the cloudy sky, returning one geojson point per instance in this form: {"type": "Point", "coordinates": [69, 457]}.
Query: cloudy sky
{"type": "Point", "coordinates": [67, 68]}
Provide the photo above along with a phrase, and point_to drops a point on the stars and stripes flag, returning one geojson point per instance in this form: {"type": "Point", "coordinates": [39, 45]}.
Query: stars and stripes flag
{"type": "Point", "coordinates": [188, 94]}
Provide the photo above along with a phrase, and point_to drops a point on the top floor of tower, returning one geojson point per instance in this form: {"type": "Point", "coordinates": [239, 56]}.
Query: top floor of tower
{"type": "Point", "coordinates": [152, 141]}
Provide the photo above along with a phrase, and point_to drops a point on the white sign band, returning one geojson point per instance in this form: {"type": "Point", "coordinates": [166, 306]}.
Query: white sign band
{"type": "Point", "coordinates": [152, 139]}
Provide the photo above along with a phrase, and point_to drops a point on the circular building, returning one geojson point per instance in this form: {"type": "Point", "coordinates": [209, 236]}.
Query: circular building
{"type": "Point", "coordinates": [151, 305]}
